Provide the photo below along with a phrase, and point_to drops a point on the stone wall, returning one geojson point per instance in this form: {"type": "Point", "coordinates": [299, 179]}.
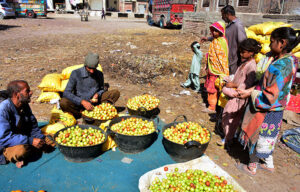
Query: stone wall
{"type": "Point", "coordinates": [198, 22]}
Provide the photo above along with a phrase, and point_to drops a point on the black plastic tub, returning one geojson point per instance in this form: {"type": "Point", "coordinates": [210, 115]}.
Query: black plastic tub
{"type": "Point", "coordinates": [183, 152]}
{"type": "Point", "coordinates": [129, 143]}
{"type": "Point", "coordinates": [144, 112]}
{"type": "Point", "coordinates": [92, 121]}
{"type": "Point", "coordinates": [81, 154]}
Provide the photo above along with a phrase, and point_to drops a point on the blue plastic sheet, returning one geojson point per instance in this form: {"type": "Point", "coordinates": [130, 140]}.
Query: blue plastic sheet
{"type": "Point", "coordinates": [103, 174]}
{"type": "Point", "coordinates": [291, 138]}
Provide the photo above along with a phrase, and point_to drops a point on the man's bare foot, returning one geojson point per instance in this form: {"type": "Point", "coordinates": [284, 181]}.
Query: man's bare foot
{"type": "Point", "coordinates": [19, 164]}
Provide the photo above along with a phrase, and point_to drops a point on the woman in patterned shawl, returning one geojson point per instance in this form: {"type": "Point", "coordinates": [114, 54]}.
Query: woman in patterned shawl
{"type": "Point", "coordinates": [263, 117]}
{"type": "Point", "coordinates": [217, 63]}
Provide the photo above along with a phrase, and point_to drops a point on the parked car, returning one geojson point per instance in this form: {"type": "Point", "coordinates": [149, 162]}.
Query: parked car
{"type": "Point", "coordinates": [6, 11]}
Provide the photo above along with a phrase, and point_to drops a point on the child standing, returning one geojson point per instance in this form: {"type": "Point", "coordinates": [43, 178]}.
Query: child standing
{"type": "Point", "coordinates": [193, 79]}
{"type": "Point", "coordinates": [217, 64]}
{"type": "Point", "coordinates": [263, 116]}
{"type": "Point", "coordinates": [244, 78]}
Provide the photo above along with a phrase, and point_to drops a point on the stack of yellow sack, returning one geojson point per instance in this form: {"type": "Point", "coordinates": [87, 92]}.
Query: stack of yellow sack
{"type": "Point", "coordinates": [53, 84]}
{"type": "Point", "coordinates": [262, 32]}
{"type": "Point", "coordinates": [58, 121]}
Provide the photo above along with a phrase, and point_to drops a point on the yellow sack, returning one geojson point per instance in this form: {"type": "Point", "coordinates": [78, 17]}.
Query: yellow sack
{"type": "Point", "coordinates": [296, 49]}
{"type": "Point", "coordinates": [267, 28]}
{"type": "Point", "coordinates": [110, 143]}
{"type": "Point", "coordinates": [265, 48]}
{"type": "Point", "coordinates": [58, 115]}
{"type": "Point", "coordinates": [222, 101]}
{"type": "Point", "coordinates": [297, 54]}
{"type": "Point", "coordinates": [258, 57]}
{"type": "Point", "coordinates": [250, 34]}
{"type": "Point", "coordinates": [51, 82]}
{"type": "Point", "coordinates": [66, 73]}
{"type": "Point", "coordinates": [64, 85]}
{"type": "Point", "coordinates": [51, 129]}
{"type": "Point", "coordinates": [219, 83]}
{"type": "Point", "coordinates": [45, 97]}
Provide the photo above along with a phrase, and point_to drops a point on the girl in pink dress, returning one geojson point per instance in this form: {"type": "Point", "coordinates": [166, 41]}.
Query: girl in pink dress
{"type": "Point", "coordinates": [244, 78]}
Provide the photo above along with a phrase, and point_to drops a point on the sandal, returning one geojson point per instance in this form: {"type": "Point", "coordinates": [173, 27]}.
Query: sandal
{"type": "Point", "coordinates": [246, 169]}
{"type": "Point", "coordinates": [221, 142]}
{"type": "Point", "coordinates": [265, 168]}
{"type": "Point", "coordinates": [207, 110]}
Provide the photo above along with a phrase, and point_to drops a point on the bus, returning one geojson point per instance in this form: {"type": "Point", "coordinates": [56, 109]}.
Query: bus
{"type": "Point", "coordinates": [169, 12]}
{"type": "Point", "coordinates": [31, 8]}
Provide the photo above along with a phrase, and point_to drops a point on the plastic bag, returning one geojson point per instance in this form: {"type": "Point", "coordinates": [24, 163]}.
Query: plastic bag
{"type": "Point", "coordinates": [296, 49]}
{"type": "Point", "coordinates": [297, 54]}
{"type": "Point", "coordinates": [291, 138]}
{"type": "Point", "coordinates": [66, 73]}
{"type": "Point", "coordinates": [58, 115]}
{"type": "Point", "coordinates": [45, 97]}
{"type": "Point", "coordinates": [267, 28]}
{"type": "Point", "coordinates": [51, 129]}
{"type": "Point", "coordinates": [258, 57]}
{"type": "Point", "coordinates": [250, 34]}
{"type": "Point", "coordinates": [51, 82]}
{"type": "Point", "coordinates": [203, 163]}
{"type": "Point", "coordinates": [110, 143]}
{"type": "Point", "coordinates": [64, 85]}
{"type": "Point", "coordinates": [265, 48]}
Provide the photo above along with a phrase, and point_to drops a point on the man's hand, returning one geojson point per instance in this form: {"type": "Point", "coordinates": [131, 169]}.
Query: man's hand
{"type": "Point", "coordinates": [95, 98]}
{"type": "Point", "coordinates": [203, 39]}
{"type": "Point", "coordinates": [87, 105]}
{"type": "Point", "coordinates": [38, 143]}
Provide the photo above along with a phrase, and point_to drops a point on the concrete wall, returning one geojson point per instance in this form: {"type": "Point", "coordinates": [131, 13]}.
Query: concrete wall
{"type": "Point", "coordinates": [254, 6]}
{"type": "Point", "coordinates": [198, 22]}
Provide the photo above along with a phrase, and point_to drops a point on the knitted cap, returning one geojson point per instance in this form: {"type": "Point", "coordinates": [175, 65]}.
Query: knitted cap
{"type": "Point", "coordinates": [91, 60]}
{"type": "Point", "coordinates": [220, 26]}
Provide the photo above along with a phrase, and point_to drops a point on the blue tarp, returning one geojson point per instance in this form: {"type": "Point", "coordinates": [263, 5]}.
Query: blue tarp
{"type": "Point", "coordinates": [105, 173]}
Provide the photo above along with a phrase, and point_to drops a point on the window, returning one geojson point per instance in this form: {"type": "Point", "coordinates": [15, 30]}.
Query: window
{"type": "Point", "coordinates": [243, 3]}
{"type": "Point", "coordinates": [205, 3]}
{"type": "Point", "coordinates": [222, 3]}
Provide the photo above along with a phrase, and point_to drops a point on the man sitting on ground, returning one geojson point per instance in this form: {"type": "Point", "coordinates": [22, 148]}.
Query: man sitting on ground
{"type": "Point", "coordinates": [86, 88]}
{"type": "Point", "coordinates": [20, 136]}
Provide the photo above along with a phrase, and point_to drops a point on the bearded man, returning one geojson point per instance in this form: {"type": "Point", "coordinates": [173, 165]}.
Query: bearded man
{"type": "Point", "coordinates": [20, 136]}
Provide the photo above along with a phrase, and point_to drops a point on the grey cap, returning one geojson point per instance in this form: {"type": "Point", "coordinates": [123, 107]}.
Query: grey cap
{"type": "Point", "coordinates": [91, 60]}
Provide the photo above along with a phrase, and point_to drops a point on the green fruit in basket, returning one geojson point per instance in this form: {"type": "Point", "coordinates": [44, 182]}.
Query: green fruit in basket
{"type": "Point", "coordinates": [104, 111]}
{"type": "Point", "coordinates": [77, 137]}
{"type": "Point", "coordinates": [134, 126]}
{"type": "Point", "coordinates": [191, 180]}
{"type": "Point", "coordinates": [187, 131]}
{"type": "Point", "coordinates": [146, 101]}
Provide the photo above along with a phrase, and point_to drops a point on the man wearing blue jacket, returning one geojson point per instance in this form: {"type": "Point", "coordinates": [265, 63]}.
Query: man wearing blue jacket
{"type": "Point", "coordinates": [20, 135]}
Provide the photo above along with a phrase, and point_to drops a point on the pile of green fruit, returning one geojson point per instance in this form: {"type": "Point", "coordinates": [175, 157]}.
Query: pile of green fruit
{"type": "Point", "coordinates": [104, 111]}
{"type": "Point", "coordinates": [134, 126]}
{"type": "Point", "coordinates": [78, 137]}
{"type": "Point", "coordinates": [145, 101]}
{"type": "Point", "coordinates": [187, 131]}
{"type": "Point", "coordinates": [191, 180]}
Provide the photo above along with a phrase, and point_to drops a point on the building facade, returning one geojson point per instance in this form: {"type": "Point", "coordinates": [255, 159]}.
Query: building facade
{"type": "Point", "coordinates": [252, 6]}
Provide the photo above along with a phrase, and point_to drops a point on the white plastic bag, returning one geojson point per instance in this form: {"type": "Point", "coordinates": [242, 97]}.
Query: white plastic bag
{"type": "Point", "coordinates": [203, 163]}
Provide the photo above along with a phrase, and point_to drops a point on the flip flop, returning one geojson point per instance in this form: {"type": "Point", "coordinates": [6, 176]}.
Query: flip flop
{"type": "Point", "coordinates": [244, 168]}
{"type": "Point", "coordinates": [263, 167]}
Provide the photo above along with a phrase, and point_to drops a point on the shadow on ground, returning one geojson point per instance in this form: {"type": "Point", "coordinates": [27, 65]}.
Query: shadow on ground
{"type": "Point", "coordinates": [6, 27]}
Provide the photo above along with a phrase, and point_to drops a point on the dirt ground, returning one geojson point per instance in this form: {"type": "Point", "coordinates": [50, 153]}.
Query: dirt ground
{"type": "Point", "coordinates": [136, 59]}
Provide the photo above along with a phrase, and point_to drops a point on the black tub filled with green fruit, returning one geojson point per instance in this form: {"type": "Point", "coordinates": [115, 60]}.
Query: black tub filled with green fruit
{"type": "Point", "coordinates": [80, 143]}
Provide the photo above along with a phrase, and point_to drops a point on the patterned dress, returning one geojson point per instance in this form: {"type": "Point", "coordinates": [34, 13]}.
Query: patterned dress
{"type": "Point", "coordinates": [263, 117]}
